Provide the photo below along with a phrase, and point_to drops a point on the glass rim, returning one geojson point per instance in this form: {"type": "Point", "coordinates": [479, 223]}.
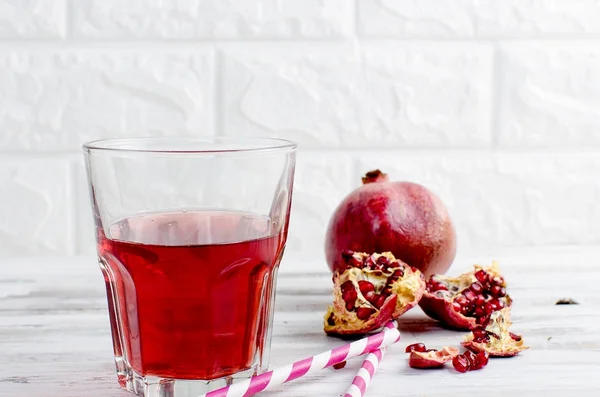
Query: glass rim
{"type": "Point", "coordinates": [144, 145]}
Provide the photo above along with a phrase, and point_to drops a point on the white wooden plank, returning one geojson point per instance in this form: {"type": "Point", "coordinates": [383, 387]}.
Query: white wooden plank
{"type": "Point", "coordinates": [55, 340]}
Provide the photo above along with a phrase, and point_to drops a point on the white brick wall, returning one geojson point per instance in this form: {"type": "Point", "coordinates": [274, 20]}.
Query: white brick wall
{"type": "Point", "coordinates": [495, 105]}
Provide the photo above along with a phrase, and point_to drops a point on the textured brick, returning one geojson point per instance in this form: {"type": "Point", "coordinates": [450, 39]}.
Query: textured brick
{"type": "Point", "coordinates": [213, 18]}
{"type": "Point", "coordinates": [321, 183]}
{"type": "Point", "coordinates": [55, 100]}
{"type": "Point", "coordinates": [549, 95]}
{"type": "Point", "coordinates": [477, 18]}
{"type": "Point", "coordinates": [32, 18]}
{"type": "Point", "coordinates": [340, 95]}
{"type": "Point", "coordinates": [508, 199]}
{"type": "Point", "coordinates": [34, 216]}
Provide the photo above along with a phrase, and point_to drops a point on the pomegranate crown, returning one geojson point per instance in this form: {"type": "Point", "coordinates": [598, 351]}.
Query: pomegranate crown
{"type": "Point", "coordinates": [374, 176]}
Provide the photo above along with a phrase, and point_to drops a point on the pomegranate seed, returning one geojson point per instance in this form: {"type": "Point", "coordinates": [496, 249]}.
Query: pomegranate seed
{"type": "Point", "coordinates": [482, 276]}
{"type": "Point", "coordinates": [483, 321]}
{"type": "Point", "coordinates": [479, 300]}
{"type": "Point", "coordinates": [456, 306]}
{"type": "Point", "coordinates": [469, 295]}
{"type": "Point", "coordinates": [515, 337]}
{"type": "Point", "coordinates": [472, 358]}
{"type": "Point", "coordinates": [355, 262]}
{"type": "Point", "coordinates": [365, 286]}
{"type": "Point", "coordinates": [480, 336]}
{"type": "Point", "coordinates": [479, 311]}
{"type": "Point", "coordinates": [497, 280]}
{"type": "Point", "coordinates": [339, 365]}
{"type": "Point", "coordinates": [350, 305]}
{"type": "Point", "coordinates": [461, 300]}
{"type": "Point", "coordinates": [489, 308]}
{"type": "Point", "coordinates": [476, 288]}
{"type": "Point", "coordinates": [498, 291]}
{"type": "Point", "coordinates": [369, 262]}
{"type": "Point", "coordinates": [415, 347]}
{"type": "Point", "coordinates": [465, 310]}
{"type": "Point", "coordinates": [369, 296]}
{"type": "Point", "coordinates": [496, 304]}
{"type": "Point", "coordinates": [347, 285]}
{"type": "Point", "coordinates": [394, 264]}
{"type": "Point", "coordinates": [379, 301]}
{"type": "Point", "coordinates": [398, 273]}
{"type": "Point", "coordinates": [383, 261]}
{"type": "Point", "coordinates": [482, 358]}
{"type": "Point", "coordinates": [442, 287]}
{"type": "Point", "coordinates": [349, 296]}
{"type": "Point", "coordinates": [363, 313]}
{"type": "Point", "coordinates": [460, 363]}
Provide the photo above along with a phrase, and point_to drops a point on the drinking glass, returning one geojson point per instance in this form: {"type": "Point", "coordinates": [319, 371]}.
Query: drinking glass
{"type": "Point", "coordinates": [190, 233]}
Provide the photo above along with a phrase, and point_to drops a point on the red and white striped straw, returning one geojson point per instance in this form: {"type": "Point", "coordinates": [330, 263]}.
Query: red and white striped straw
{"type": "Point", "coordinates": [309, 365]}
{"type": "Point", "coordinates": [365, 374]}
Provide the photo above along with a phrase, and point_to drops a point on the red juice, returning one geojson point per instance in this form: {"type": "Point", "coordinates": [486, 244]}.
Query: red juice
{"type": "Point", "coordinates": [190, 292]}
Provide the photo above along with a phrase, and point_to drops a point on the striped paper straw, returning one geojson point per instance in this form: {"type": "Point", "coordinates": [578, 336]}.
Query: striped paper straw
{"type": "Point", "coordinates": [366, 372]}
{"type": "Point", "coordinates": [309, 365]}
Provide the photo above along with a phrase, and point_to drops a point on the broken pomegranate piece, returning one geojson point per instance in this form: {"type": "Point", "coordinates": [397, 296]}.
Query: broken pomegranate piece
{"type": "Point", "coordinates": [372, 290]}
{"type": "Point", "coordinates": [495, 338]}
{"type": "Point", "coordinates": [469, 361]}
{"type": "Point", "coordinates": [431, 358]}
{"type": "Point", "coordinates": [468, 300]}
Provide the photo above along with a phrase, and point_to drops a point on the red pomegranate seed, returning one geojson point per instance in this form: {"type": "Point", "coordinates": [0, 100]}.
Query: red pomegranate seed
{"type": "Point", "coordinates": [497, 280]}
{"type": "Point", "coordinates": [355, 262]}
{"type": "Point", "coordinates": [365, 286]}
{"type": "Point", "coordinates": [461, 300]}
{"type": "Point", "coordinates": [369, 296]}
{"type": "Point", "coordinates": [350, 305]}
{"type": "Point", "coordinates": [489, 308]}
{"type": "Point", "coordinates": [515, 337]}
{"type": "Point", "coordinates": [417, 347]}
{"type": "Point", "coordinates": [383, 261]}
{"type": "Point", "coordinates": [363, 313]}
{"type": "Point", "coordinates": [339, 365]}
{"type": "Point", "coordinates": [460, 363]}
{"type": "Point", "coordinates": [369, 262]}
{"type": "Point", "coordinates": [394, 264]}
{"type": "Point", "coordinates": [472, 358]}
{"type": "Point", "coordinates": [457, 307]}
{"type": "Point", "coordinates": [497, 304]}
{"type": "Point", "coordinates": [469, 295]}
{"type": "Point", "coordinates": [349, 295]}
{"type": "Point", "coordinates": [482, 276]}
{"type": "Point", "coordinates": [479, 311]}
{"type": "Point", "coordinates": [398, 273]}
{"type": "Point", "coordinates": [479, 300]}
{"type": "Point", "coordinates": [379, 301]}
{"type": "Point", "coordinates": [498, 291]}
{"type": "Point", "coordinates": [482, 359]}
{"type": "Point", "coordinates": [476, 288]}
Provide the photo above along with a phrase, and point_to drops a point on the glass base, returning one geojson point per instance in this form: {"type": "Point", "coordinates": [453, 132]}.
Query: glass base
{"type": "Point", "coordinates": [154, 386]}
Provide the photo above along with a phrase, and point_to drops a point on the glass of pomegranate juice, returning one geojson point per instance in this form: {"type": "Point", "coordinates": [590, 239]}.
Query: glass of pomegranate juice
{"type": "Point", "coordinates": [190, 233]}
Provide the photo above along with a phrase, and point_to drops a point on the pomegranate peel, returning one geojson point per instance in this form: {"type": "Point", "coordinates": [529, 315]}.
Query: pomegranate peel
{"type": "Point", "coordinates": [431, 358]}
{"type": "Point", "coordinates": [372, 290]}
{"type": "Point", "coordinates": [495, 337]}
{"type": "Point", "coordinates": [466, 301]}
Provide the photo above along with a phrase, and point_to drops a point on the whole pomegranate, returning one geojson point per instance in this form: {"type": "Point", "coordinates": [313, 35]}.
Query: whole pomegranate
{"type": "Point", "coordinates": [403, 218]}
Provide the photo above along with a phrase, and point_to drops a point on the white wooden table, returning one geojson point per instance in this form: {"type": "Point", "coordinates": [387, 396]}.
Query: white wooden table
{"type": "Point", "coordinates": [55, 340]}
